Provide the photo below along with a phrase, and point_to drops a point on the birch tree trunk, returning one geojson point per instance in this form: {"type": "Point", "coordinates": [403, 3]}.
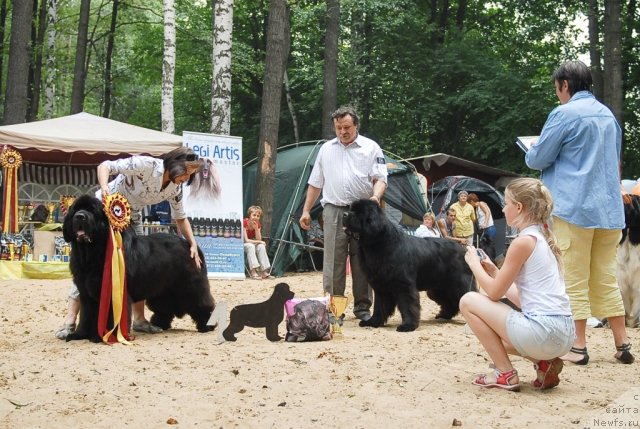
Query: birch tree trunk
{"type": "Point", "coordinates": [330, 89]}
{"type": "Point", "coordinates": [50, 77]}
{"type": "Point", "coordinates": [221, 76]}
{"type": "Point", "coordinates": [168, 66]}
{"type": "Point", "coordinates": [276, 56]}
{"type": "Point", "coordinates": [15, 101]}
{"type": "Point", "coordinates": [79, 70]}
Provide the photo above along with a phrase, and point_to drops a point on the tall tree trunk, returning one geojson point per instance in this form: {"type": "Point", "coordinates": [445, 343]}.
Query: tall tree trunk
{"type": "Point", "coordinates": [365, 102]}
{"type": "Point", "coordinates": [15, 101]}
{"type": "Point", "coordinates": [108, 78]}
{"type": "Point", "coordinates": [594, 50]}
{"type": "Point", "coordinates": [292, 110]}
{"type": "Point", "coordinates": [80, 70]}
{"type": "Point", "coordinates": [37, 66]}
{"type": "Point", "coordinates": [34, 44]}
{"type": "Point", "coordinates": [221, 79]}
{"type": "Point", "coordinates": [461, 13]}
{"type": "Point", "coordinates": [3, 23]}
{"type": "Point", "coordinates": [442, 21]}
{"type": "Point", "coordinates": [50, 79]}
{"type": "Point", "coordinates": [330, 88]}
{"type": "Point", "coordinates": [168, 66]}
{"type": "Point", "coordinates": [613, 96]}
{"type": "Point", "coordinates": [360, 88]}
{"type": "Point", "coordinates": [276, 57]}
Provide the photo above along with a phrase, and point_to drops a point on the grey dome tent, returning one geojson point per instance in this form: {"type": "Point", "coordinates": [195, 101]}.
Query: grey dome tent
{"type": "Point", "coordinates": [444, 192]}
{"type": "Point", "coordinates": [293, 167]}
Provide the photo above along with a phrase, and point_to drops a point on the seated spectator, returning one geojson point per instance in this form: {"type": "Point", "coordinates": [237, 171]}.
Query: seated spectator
{"type": "Point", "coordinates": [428, 227]}
{"type": "Point", "coordinates": [447, 226]}
{"type": "Point", "coordinates": [254, 247]}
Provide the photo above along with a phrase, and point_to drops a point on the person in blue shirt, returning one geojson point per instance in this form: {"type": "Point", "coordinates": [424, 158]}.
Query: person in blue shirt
{"type": "Point", "coordinates": [578, 153]}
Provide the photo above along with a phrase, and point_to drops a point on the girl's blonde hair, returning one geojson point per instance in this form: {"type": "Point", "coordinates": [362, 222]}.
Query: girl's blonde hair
{"type": "Point", "coordinates": [254, 209]}
{"type": "Point", "coordinates": [537, 205]}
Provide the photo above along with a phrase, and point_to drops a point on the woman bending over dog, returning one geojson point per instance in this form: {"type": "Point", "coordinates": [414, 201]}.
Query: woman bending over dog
{"type": "Point", "coordinates": [531, 278]}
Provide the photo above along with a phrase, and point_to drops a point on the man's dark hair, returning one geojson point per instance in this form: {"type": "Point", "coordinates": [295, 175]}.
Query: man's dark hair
{"type": "Point", "coordinates": [577, 75]}
{"type": "Point", "coordinates": [344, 111]}
{"type": "Point", "coordinates": [176, 161]}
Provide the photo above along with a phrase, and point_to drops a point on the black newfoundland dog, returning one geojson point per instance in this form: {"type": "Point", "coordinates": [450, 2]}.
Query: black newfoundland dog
{"type": "Point", "coordinates": [159, 270]}
{"type": "Point", "coordinates": [398, 266]}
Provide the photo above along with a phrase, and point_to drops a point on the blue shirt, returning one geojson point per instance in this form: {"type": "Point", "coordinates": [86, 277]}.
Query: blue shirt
{"type": "Point", "coordinates": [579, 154]}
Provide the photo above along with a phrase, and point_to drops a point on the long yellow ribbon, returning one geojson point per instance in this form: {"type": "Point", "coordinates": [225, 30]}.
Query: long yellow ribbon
{"type": "Point", "coordinates": [117, 289]}
{"type": "Point", "coordinates": [10, 202]}
{"type": "Point", "coordinates": [8, 172]}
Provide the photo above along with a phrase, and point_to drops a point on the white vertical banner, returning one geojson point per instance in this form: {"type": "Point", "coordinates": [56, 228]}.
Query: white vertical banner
{"type": "Point", "coordinates": [213, 203]}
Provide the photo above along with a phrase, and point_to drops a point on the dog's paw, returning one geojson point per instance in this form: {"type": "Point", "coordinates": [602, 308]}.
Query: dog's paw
{"type": "Point", "coordinates": [72, 337]}
{"type": "Point", "coordinates": [274, 339]}
{"type": "Point", "coordinates": [444, 317]}
{"type": "Point", "coordinates": [405, 327]}
{"type": "Point", "coordinates": [229, 336]}
{"type": "Point", "coordinates": [79, 335]}
{"type": "Point", "coordinates": [372, 323]}
{"type": "Point", "coordinates": [205, 328]}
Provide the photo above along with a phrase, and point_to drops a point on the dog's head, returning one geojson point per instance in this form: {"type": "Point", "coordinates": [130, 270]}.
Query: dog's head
{"type": "Point", "coordinates": [282, 292]}
{"type": "Point", "coordinates": [631, 218]}
{"type": "Point", "coordinates": [364, 218]}
{"type": "Point", "coordinates": [632, 210]}
{"type": "Point", "coordinates": [85, 223]}
{"type": "Point", "coordinates": [207, 181]}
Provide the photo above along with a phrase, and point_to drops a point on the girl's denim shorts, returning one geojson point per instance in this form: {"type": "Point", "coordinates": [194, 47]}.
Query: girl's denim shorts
{"type": "Point", "coordinates": [540, 337]}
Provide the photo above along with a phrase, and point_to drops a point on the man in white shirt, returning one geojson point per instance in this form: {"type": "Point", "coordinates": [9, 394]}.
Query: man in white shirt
{"type": "Point", "coordinates": [347, 168]}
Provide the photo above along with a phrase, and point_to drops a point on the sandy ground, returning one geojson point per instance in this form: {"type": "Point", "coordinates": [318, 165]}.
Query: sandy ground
{"type": "Point", "coordinates": [372, 378]}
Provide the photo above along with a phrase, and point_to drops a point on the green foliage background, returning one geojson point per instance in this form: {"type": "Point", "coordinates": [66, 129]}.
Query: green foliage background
{"type": "Point", "coordinates": [423, 87]}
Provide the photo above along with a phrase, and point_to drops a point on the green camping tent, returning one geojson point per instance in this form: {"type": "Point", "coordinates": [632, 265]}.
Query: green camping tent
{"type": "Point", "coordinates": [293, 167]}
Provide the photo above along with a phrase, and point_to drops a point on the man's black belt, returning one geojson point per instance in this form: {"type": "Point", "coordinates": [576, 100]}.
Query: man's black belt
{"type": "Point", "coordinates": [348, 207]}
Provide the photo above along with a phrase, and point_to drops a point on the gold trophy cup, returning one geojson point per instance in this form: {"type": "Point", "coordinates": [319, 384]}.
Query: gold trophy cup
{"type": "Point", "coordinates": [65, 202]}
{"type": "Point", "coordinates": [22, 213]}
{"type": "Point", "coordinates": [24, 251]}
{"type": "Point", "coordinates": [337, 305]}
{"type": "Point", "coordinates": [51, 207]}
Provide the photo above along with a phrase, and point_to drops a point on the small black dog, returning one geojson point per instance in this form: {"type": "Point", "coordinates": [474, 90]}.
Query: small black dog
{"type": "Point", "coordinates": [267, 314]}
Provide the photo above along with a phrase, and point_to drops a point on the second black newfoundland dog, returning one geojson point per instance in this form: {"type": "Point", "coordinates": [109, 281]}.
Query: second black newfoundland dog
{"type": "Point", "coordinates": [398, 266]}
{"type": "Point", "coordinates": [159, 269]}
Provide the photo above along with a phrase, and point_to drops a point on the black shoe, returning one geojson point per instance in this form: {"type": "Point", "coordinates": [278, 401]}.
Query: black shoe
{"type": "Point", "coordinates": [583, 353]}
{"type": "Point", "coordinates": [625, 353]}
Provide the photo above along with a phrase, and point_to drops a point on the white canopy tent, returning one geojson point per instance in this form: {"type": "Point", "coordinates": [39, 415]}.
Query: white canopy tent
{"type": "Point", "coordinates": [84, 133]}
{"type": "Point", "coordinates": [60, 155]}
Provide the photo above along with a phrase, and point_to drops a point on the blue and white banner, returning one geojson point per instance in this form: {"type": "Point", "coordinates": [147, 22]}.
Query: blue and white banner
{"type": "Point", "coordinates": [213, 203]}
